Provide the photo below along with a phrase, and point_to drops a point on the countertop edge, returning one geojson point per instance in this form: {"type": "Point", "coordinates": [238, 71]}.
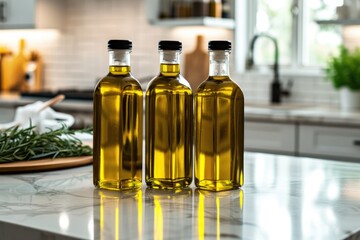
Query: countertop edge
{"type": "Point", "coordinates": [318, 115]}
{"type": "Point", "coordinates": [15, 231]}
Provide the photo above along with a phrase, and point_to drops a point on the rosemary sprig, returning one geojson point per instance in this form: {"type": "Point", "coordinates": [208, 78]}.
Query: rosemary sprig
{"type": "Point", "coordinates": [18, 144]}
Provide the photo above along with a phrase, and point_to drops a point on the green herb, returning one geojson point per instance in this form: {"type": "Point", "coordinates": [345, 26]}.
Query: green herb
{"type": "Point", "coordinates": [18, 144]}
{"type": "Point", "coordinates": [344, 70]}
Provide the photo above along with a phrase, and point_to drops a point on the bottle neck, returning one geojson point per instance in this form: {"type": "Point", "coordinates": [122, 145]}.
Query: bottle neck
{"type": "Point", "coordinates": [119, 61]}
{"type": "Point", "coordinates": [219, 63]}
{"type": "Point", "coordinates": [170, 62]}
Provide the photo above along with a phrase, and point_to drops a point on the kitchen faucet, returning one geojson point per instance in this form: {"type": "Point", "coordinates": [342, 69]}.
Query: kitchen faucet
{"type": "Point", "coordinates": [276, 90]}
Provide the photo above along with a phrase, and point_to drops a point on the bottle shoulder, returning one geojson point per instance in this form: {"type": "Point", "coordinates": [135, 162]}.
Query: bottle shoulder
{"type": "Point", "coordinates": [218, 83]}
{"type": "Point", "coordinates": [223, 85]}
{"type": "Point", "coordinates": [126, 80]}
{"type": "Point", "coordinates": [117, 84]}
{"type": "Point", "coordinates": [169, 83]}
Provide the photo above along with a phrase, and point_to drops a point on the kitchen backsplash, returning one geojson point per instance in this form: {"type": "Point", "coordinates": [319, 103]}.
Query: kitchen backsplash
{"type": "Point", "coordinates": [305, 89]}
{"type": "Point", "coordinates": [77, 56]}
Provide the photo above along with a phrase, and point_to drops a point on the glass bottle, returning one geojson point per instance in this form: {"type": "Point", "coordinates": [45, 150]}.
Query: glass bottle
{"type": "Point", "coordinates": [169, 106]}
{"type": "Point", "coordinates": [118, 119]}
{"type": "Point", "coordinates": [215, 8]}
{"type": "Point", "coordinates": [225, 9]}
{"type": "Point", "coordinates": [200, 8]}
{"type": "Point", "coordinates": [219, 125]}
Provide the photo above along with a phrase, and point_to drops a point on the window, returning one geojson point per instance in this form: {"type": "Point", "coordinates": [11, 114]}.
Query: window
{"type": "Point", "coordinates": [274, 18]}
{"type": "Point", "coordinates": [302, 42]}
{"type": "Point", "coordinates": [319, 41]}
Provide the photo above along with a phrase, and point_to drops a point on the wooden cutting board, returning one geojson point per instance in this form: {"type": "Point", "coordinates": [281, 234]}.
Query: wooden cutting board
{"type": "Point", "coordinates": [45, 164]}
{"type": "Point", "coordinates": [196, 64]}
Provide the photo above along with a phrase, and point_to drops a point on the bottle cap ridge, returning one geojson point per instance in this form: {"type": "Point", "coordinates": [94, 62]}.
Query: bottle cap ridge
{"type": "Point", "coordinates": [119, 44]}
{"type": "Point", "coordinates": [219, 45]}
{"type": "Point", "coordinates": [170, 45]}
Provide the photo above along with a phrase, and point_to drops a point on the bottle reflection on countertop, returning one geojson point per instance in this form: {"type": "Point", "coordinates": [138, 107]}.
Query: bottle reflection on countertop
{"type": "Point", "coordinates": [118, 214]}
{"type": "Point", "coordinates": [169, 214]}
{"type": "Point", "coordinates": [219, 214]}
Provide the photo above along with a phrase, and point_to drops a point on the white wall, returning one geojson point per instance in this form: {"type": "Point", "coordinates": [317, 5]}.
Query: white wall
{"type": "Point", "coordinates": [77, 56]}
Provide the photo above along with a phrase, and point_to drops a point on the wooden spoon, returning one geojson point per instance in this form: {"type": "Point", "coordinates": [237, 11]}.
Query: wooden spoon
{"type": "Point", "coordinates": [51, 102]}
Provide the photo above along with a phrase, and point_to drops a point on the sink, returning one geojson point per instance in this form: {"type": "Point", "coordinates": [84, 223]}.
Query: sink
{"type": "Point", "coordinates": [275, 109]}
{"type": "Point", "coordinates": [301, 113]}
{"type": "Point", "coordinates": [283, 106]}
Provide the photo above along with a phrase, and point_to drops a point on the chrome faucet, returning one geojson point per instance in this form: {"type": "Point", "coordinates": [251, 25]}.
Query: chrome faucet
{"type": "Point", "coordinates": [276, 89]}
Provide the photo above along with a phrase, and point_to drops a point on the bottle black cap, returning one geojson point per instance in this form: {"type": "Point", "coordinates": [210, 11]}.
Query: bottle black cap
{"type": "Point", "coordinates": [219, 45]}
{"type": "Point", "coordinates": [119, 44]}
{"type": "Point", "coordinates": [170, 45]}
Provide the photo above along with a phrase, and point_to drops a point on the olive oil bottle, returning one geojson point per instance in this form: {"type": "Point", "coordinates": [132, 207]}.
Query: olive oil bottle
{"type": "Point", "coordinates": [169, 107]}
{"type": "Point", "coordinates": [219, 125]}
{"type": "Point", "coordinates": [118, 121]}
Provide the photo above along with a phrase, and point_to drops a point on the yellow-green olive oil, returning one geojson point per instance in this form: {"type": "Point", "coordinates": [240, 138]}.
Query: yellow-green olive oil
{"type": "Point", "coordinates": [219, 134]}
{"type": "Point", "coordinates": [169, 134]}
{"type": "Point", "coordinates": [118, 115]}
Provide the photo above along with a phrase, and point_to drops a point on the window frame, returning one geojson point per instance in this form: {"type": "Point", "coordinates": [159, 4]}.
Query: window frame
{"type": "Point", "coordinates": [245, 22]}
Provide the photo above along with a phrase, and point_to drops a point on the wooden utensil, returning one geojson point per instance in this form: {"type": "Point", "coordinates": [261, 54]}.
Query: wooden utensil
{"type": "Point", "coordinates": [45, 164]}
{"type": "Point", "coordinates": [51, 102]}
{"type": "Point", "coordinates": [197, 64]}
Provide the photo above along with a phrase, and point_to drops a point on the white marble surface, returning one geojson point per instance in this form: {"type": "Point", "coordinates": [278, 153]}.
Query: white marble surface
{"type": "Point", "coordinates": [283, 198]}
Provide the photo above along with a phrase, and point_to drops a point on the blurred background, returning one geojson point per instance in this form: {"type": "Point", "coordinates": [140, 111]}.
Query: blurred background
{"type": "Point", "coordinates": [49, 47]}
{"type": "Point", "coordinates": [71, 38]}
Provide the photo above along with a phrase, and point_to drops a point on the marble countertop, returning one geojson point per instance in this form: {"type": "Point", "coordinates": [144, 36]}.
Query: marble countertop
{"type": "Point", "coordinates": [283, 198]}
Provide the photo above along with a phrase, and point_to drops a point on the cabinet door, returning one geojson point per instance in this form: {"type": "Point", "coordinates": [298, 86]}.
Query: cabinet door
{"type": "Point", "coordinates": [331, 142]}
{"type": "Point", "coordinates": [270, 137]}
{"type": "Point", "coordinates": [17, 14]}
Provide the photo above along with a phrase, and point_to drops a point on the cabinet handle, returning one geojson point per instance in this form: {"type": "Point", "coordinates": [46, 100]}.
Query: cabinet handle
{"type": "Point", "coordinates": [2, 11]}
{"type": "Point", "coordinates": [357, 142]}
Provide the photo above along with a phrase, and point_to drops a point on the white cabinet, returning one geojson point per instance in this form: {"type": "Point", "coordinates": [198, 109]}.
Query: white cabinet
{"type": "Point", "coordinates": [270, 137]}
{"type": "Point", "coordinates": [16, 12]}
{"type": "Point", "coordinates": [25, 14]}
{"type": "Point", "coordinates": [329, 142]}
